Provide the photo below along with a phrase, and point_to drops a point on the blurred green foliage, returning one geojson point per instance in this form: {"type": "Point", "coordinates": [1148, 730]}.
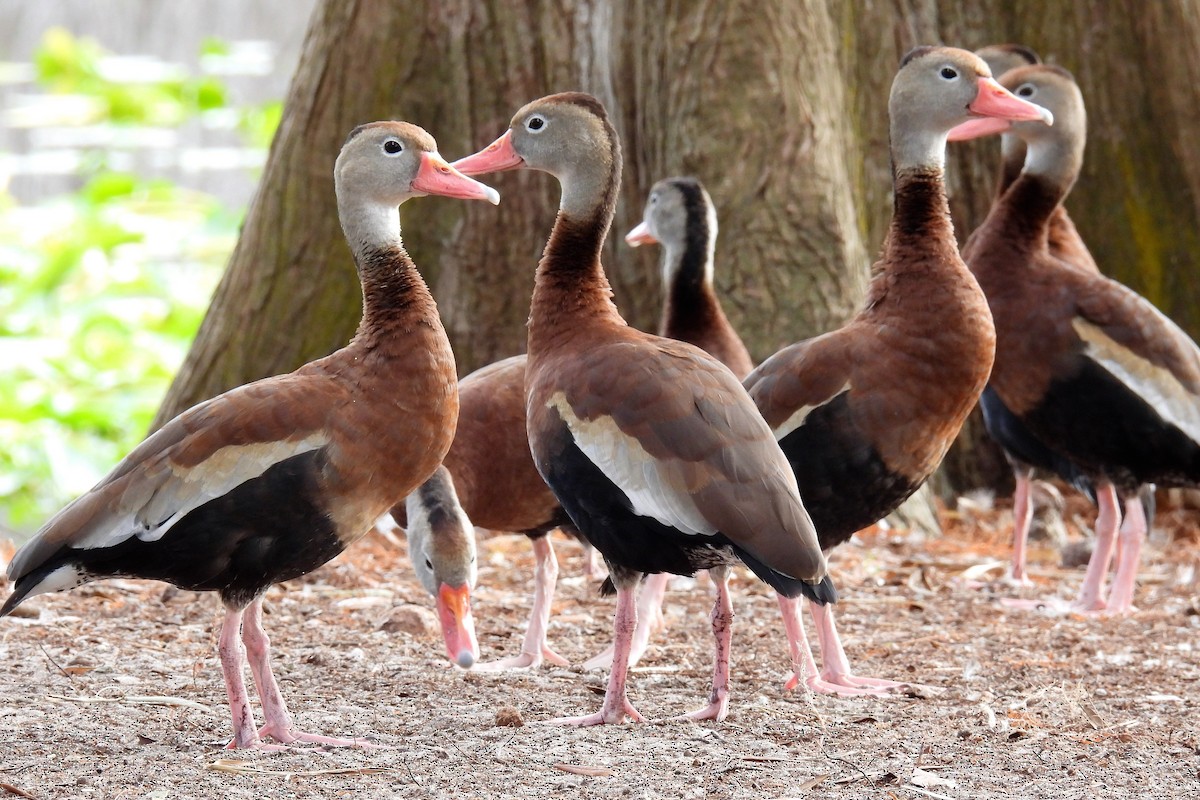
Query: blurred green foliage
{"type": "Point", "coordinates": [101, 292]}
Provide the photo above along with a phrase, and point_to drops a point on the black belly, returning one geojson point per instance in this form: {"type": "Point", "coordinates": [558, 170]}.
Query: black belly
{"type": "Point", "coordinates": [843, 481]}
{"type": "Point", "coordinates": [1111, 432]}
{"type": "Point", "coordinates": [605, 518]}
{"type": "Point", "coordinates": [268, 529]}
{"type": "Point", "coordinates": [1022, 448]}
{"type": "Point", "coordinates": [631, 543]}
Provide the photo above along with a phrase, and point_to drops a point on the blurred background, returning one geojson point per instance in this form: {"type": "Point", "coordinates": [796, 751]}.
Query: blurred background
{"type": "Point", "coordinates": [132, 137]}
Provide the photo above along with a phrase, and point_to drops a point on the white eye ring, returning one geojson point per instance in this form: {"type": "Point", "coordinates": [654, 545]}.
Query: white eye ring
{"type": "Point", "coordinates": [1026, 90]}
{"type": "Point", "coordinates": [948, 73]}
{"type": "Point", "coordinates": [392, 147]}
{"type": "Point", "coordinates": [535, 124]}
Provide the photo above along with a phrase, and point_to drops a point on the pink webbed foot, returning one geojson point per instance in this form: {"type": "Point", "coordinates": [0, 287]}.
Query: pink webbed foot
{"type": "Point", "coordinates": [290, 736]}
{"type": "Point", "coordinates": [850, 686]}
{"type": "Point", "coordinates": [614, 714]}
{"type": "Point", "coordinates": [716, 710]}
{"type": "Point", "coordinates": [524, 660]}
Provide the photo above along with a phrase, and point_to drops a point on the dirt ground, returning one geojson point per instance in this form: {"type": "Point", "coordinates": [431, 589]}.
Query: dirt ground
{"type": "Point", "coordinates": [113, 690]}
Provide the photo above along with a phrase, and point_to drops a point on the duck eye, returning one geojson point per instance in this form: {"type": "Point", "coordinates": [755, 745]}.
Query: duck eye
{"type": "Point", "coordinates": [949, 73]}
{"type": "Point", "coordinates": [1026, 90]}
{"type": "Point", "coordinates": [535, 123]}
{"type": "Point", "coordinates": [428, 564]}
{"type": "Point", "coordinates": [392, 147]}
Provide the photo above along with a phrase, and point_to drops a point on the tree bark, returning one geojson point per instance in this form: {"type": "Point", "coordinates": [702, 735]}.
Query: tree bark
{"type": "Point", "coordinates": [779, 106]}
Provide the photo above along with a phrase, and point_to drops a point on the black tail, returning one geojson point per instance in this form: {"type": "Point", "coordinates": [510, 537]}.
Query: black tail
{"type": "Point", "coordinates": [19, 592]}
{"type": "Point", "coordinates": [821, 593]}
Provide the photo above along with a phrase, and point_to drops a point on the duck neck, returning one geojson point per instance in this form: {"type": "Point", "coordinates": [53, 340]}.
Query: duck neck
{"type": "Point", "coordinates": [570, 282]}
{"type": "Point", "coordinates": [921, 213]}
{"type": "Point", "coordinates": [1012, 161]}
{"type": "Point", "coordinates": [393, 291]}
{"type": "Point", "coordinates": [1035, 197]}
{"type": "Point", "coordinates": [687, 275]}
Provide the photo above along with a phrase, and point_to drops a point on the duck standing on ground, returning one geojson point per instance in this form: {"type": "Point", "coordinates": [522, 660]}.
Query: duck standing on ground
{"type": "Point", "coordinates": [491, 470]}
{"type": "Point", "coordinates": [680, 216]}
{"type": "Point", "coordinates": [866, 413]}
{"type": "Point", "coordinates": [270, 480]}
{"type": "Point", "coordinates": [1090, 368]}
{"type": "Point", "coordinates": [651, 445]}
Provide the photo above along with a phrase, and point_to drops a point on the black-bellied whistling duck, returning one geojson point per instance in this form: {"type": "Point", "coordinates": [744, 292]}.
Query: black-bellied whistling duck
{"type": "Point", "coordinates": [1089, 367]}
{"type": "Point", "coordinates": [1024, 452]}
{"type": "Point", "coordinates": [490, 459]}
{"type": "Point", "coordinates": [680, 216]}
{"type": "Point", "coordinates": [866, 413]}
{"type": "Point", "coordinates": [650, 444]}
{"type": "Point", "coordinates": [268, 481]}
{"type": "Point", "coordinates": [490, 471]}
{"type": "Point", "coordinates": [441, 547]}
{"type": "Point", "coordinates": [1022, 449]}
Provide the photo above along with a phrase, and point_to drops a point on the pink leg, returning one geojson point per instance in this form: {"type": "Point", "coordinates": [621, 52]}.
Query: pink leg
{"type": "Point", "coordinates": [722, 625]}
{"type": "Point", "coordinates": [534, 649]}
{"type": "Point", "coordinates": [591, 563]}
{"type": "Point", "coordinates": [278, 722]}
{"type": "Point", "coordinates": [1091, 595]}
{"type": "Point", "coordinates": [837, 667]}
{"type": "Point", "coordinates": [804, 668]}
{"type": "Point", "coordinates": [232, 655]}
{"type": "Point", "coordinates": [650, 621]}
{"type": "Point", "coordinates": [1133, 533]}
{"type": "Point", "coordinates": [833, 680]}
{"type": "Point", "coordinates": [1022, 518]}
{"type": "Point", "coordinates": [616, 703]}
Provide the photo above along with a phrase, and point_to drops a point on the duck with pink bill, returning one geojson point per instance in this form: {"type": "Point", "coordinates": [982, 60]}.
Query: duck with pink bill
{"type": "Point", "coordinates": [1090, 368]}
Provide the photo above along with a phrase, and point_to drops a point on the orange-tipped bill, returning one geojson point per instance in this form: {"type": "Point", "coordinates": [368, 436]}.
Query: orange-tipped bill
{"type": "Point", "coordinates": [435, 176]}
{"type": "Point", "coordinates": [458, 626]}
{"type": "Point", "coordinates": [976, 128]}
{"type": "Point", "coordinates": [640, 235]}
{"type": "Point", "coordinates": [496, 157]}
{"type": "Point", "coordinates": [993, 100]}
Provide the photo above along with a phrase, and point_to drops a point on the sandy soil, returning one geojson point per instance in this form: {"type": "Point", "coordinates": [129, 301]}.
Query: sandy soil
{"type": "Point", "coordinates": [113, 691]}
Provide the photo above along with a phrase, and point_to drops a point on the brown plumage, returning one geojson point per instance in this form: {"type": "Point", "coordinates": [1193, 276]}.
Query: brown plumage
{"type": "Point", "coordinates": [494, 476]}
{"type": "Point", "coordinates": [651, 445]}
{"type": "Point", "coordinates": [270, 480]}
{"type": "Point", "coordinates": [865, 413]}
{"type": "Point", "coordinates": [1090, 368]}
{"type": "Point", "coordinates": [1022, 450]}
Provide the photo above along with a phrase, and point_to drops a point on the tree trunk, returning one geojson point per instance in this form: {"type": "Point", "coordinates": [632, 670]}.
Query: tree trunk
{"type": "Point", "coordinates": [779, 106]}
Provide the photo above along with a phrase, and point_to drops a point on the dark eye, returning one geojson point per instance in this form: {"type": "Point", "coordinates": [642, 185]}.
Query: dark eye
{"type": "Point", "coordinates": [391, 147]}
{"type": "Point", "coordinates": [535, 123]}
{"type": "Point", "coordinates": [949, 73]}
{"type": "Point", "coordinates": [428, 563]}
{"type": "Point", "coordinates": [1025, 90]}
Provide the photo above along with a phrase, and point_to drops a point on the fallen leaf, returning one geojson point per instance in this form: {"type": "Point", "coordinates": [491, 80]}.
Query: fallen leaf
{"type": "Point", "coordinates": [925, 779]}
{"type": "Point", "coordinates": [591, 772]}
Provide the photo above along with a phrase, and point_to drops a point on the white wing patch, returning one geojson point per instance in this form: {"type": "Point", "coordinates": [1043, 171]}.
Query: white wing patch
{"type": "Point", "coordinates": [1157, 386]}
{"type": "Point", "coordinates": [163, 496]}
{"type": "Point", "coordinates": [797, 418]}
{"type": "Point", "coordinates": [635, 472]}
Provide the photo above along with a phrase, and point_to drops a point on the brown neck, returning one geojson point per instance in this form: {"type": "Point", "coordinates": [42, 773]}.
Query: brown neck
{"type": "Point", "coordinates": [571, 289]}
{"type": "Point", "coordinates": [394, 296]}
{"type": "Point", "coordinates": [921, 214]}
{"type": "Point", "coordinates": [1025, 211]}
